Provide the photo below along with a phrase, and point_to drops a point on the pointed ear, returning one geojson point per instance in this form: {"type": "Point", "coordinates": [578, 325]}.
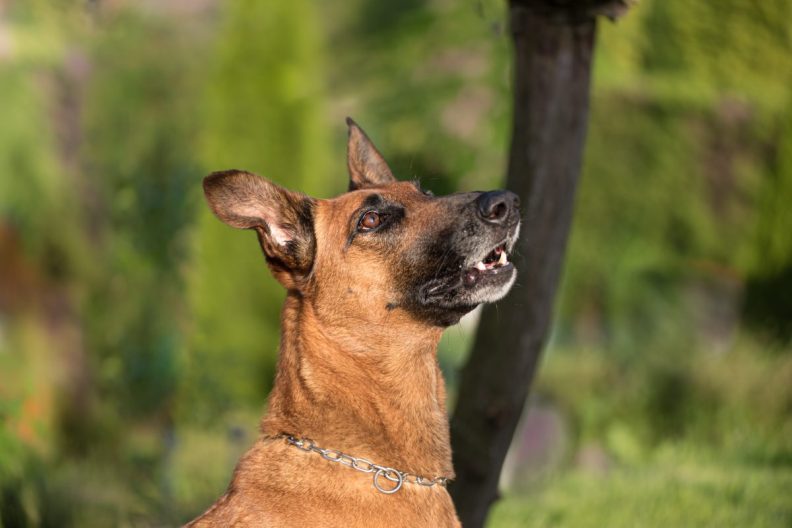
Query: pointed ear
{"type": "Point", "coordinates": [282, 219]}
{"type": "Point", "coordinates": [367, 168]}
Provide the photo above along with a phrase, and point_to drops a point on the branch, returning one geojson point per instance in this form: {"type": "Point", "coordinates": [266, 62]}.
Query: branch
{"type": "Point", "coordinates": [576, 10]}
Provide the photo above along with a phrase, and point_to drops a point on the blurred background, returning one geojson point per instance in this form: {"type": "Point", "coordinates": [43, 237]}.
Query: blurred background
{"type": "Point", "coordinates": [138, 334]}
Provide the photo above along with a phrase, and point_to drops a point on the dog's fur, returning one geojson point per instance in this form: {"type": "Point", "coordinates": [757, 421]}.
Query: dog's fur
{"type": "Point", "coordinates": [357, 369]}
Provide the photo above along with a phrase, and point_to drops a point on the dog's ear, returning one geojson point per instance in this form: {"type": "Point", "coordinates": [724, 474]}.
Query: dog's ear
{"type": "Point", "coordinates": [282, 219]}
{"type": "Point", "coordinates": [367, 168]}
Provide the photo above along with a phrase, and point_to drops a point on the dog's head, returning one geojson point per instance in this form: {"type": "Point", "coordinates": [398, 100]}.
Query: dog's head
{"type": "Point", "coordinates": [384, 246]}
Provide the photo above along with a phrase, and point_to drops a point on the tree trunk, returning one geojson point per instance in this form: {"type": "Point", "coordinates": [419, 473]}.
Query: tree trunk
{"type": "Point", "coordinates": [553, 46]}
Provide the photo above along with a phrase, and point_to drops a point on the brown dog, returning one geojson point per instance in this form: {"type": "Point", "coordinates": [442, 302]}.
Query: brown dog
{"type": "Point", "coordinates": [373, 277]}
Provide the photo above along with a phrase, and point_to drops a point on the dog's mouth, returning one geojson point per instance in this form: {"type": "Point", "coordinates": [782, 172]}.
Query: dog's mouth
{"type": "Point", "coordinates": [493, 263]}
{"type": "Point", "coordinates": [490, 270]}
{"type": "Point", "coordinates": [474, 267]}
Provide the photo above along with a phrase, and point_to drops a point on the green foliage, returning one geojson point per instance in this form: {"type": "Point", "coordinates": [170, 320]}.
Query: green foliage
{"type": "Point", "coordinates": [32, 196]}
{"type": "Point", "coordinates": [166, 321]}
{"type": "Point", "coordinates": [768, 304]}
{"type": "Point", "coordinates": [678, 192]}
{"type": "Point", "coordinates": [686, 439]}
{"type": "Point", "coordinates": [438, 102]}
{"type": "Point", "coordinates": [709, 398]}
{"type": "Point", "coordinates": [742, 48]}
{"type": "Point", "coordinates": [263, 103]}
{"type": "Point", "coordinates": [143, 184]}
{"type": "Point", "coordinates": [680, 486]}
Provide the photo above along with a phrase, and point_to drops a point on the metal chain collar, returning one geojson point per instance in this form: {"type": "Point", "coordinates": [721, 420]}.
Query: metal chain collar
{"type": "Point", "coordinates": [398, 478]}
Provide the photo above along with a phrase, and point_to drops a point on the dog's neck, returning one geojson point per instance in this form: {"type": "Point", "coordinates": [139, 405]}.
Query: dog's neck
{"type": "Point", "coordinates": [369, 390]}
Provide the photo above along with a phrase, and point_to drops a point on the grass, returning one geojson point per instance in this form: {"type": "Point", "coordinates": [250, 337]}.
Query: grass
{"type": "Point", "coordinates": [679, 487]}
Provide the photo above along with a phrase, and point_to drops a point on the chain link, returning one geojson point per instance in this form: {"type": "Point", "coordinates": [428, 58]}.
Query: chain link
{"type": "Point", "coordinates": [398, 478]}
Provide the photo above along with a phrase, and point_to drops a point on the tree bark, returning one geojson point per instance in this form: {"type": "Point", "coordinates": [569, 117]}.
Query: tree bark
{"type": "Point", "coordinates": [553, 47]}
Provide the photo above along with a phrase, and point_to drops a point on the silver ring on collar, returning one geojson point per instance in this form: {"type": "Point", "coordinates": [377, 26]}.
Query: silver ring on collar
{"type": "Point", "coordinates": [387, 473]}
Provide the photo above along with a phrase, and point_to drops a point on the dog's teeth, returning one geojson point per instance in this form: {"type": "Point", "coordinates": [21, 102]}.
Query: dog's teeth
{"type": "Point", "coordinates": [481, 266]}
{"type": "Point", "coordinates": [503, 260]}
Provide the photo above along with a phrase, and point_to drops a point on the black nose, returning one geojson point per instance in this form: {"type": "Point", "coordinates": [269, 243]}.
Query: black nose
{"type": "Point", "coordinates": [496, 207]}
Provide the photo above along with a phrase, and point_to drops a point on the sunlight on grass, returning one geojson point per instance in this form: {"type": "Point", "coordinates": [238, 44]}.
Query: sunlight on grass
{"type": "Point", "coordinates": [678, 487]}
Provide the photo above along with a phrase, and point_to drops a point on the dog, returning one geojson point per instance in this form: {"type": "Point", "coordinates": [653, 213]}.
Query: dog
{"type": "Point", "coordinates": [356, 433]}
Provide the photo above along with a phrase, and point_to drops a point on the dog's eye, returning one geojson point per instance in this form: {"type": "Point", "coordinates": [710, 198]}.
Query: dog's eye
{"type": "Point", "coordinates": [370, 220]}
